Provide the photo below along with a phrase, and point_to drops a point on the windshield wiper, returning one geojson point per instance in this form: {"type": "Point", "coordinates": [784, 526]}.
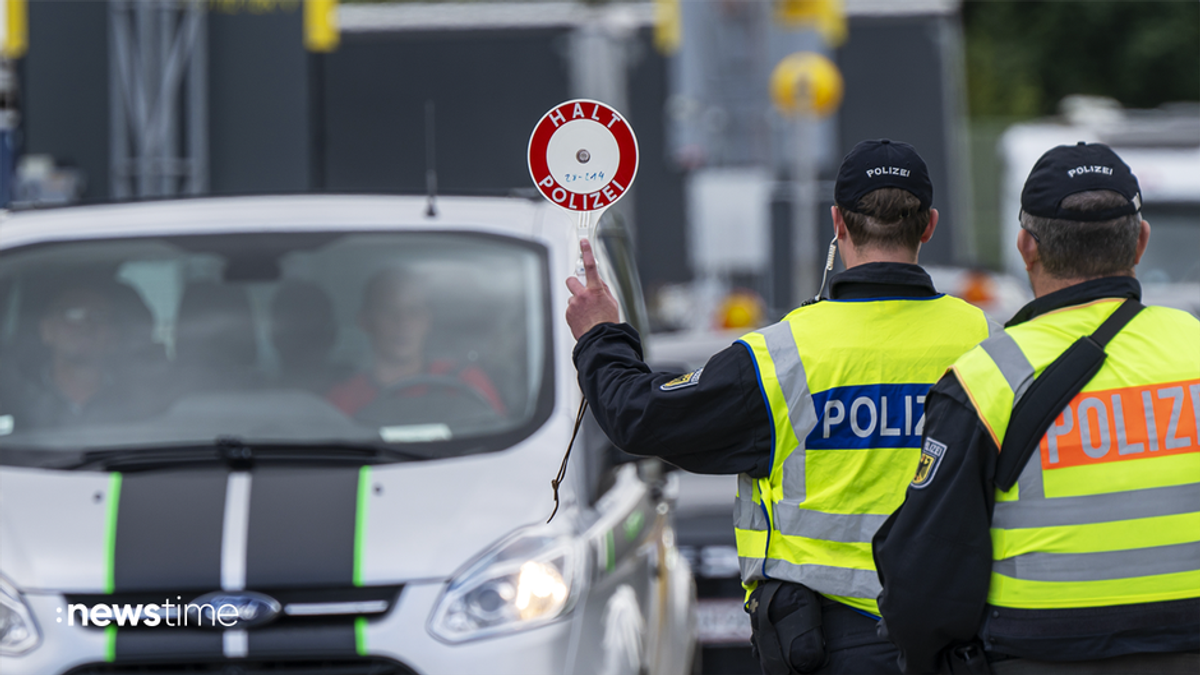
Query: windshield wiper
{"type": "Point", "coordinates": [242, 455]}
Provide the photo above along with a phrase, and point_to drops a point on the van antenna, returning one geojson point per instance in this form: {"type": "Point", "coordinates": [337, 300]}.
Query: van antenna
{"type": "Point", "coordinates": [430, 164]}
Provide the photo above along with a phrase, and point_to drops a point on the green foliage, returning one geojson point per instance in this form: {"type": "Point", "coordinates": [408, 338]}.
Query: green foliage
{"type": "Point", "coordinates": [1023, 57]}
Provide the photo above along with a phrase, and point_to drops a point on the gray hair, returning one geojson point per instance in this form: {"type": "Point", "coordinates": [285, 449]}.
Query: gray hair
{"type": "Point", "coordinates": [1071, 249]}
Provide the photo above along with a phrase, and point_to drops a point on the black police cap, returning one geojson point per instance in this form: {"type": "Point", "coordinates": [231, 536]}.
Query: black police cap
{"type": "Point", "coordinates": [878, 164]}
{"type": "Point", "coordinates": [1070, 169]}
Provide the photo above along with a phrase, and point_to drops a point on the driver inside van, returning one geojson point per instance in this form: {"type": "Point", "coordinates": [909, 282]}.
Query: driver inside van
{"type": "Point", "coordinates": [396, 317]}
{"type": "Point", "coordinates": [80, 381]}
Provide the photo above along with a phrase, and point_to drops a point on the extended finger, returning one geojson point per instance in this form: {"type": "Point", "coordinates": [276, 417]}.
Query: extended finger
{"type": "Point", "coordinates": [589, 265]}
{"type": "Point", "coordinates": [574, 286]}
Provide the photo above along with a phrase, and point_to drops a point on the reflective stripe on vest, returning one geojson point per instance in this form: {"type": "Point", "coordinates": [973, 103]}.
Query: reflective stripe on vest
{"type": "Point", "coordinates": [1108, 511]}
{"type": "Point", "coordinates": [847, 411]}
{"type": "Point", "coordinates": [999, 360]}
{"type": "Point", "coordinates": [751, 528]}
{"type": "Point", "coordinates": [1102, 565]}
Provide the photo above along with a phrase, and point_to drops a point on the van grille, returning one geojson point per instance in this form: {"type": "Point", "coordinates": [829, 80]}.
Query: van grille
{"type": "Point", "coordinates": [252, 667]}
{"type": "Point", "coordinates": [301, 606]}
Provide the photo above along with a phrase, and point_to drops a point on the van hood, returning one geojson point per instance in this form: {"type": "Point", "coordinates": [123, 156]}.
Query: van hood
{"type": "Point", "coordinates": [268, 528]}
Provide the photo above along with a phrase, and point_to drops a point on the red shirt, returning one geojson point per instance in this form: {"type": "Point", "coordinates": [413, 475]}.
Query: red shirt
{"type": "Point", "coordinates": [359, 391]}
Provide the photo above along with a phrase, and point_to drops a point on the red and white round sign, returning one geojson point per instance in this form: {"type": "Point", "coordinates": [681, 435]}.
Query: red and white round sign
{"type": "Point", "coordinates": [583, 155]}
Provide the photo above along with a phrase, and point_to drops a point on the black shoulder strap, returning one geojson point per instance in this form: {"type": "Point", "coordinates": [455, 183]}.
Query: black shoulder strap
{"type": "Point", "coordinates": [1050, 393]}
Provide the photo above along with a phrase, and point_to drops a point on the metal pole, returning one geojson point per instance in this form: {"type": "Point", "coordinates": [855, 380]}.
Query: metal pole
{"type": "Point", "coordinates": [197, 109]}
{"type": "Point", "coordinates": [783, 228]}
{"type": "Point", "coordinates": [177, 47]}
{"type": "Point", "coordinates": [159, 147]}
{"type": "Point", "coordinates": [166, 97]}
{"type": "Point", "coordinates": [145, 66]}
{"type": "Point", "coordinates": [599, 59]}
{"type": "Point", "coordinates": [805, 250]}
{"type": "Point", "coordinates": [118, 123]}
{"type": "Point", "coordinates": [10, 118]}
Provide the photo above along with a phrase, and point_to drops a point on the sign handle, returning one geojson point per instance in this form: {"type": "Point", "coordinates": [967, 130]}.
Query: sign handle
{"type": "Point", "coordinates": [583, 229]}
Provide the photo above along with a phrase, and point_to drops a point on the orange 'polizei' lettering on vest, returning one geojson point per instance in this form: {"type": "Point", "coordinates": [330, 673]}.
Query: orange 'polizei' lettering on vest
{"type": "Point", "coordinates": [1115, 425]}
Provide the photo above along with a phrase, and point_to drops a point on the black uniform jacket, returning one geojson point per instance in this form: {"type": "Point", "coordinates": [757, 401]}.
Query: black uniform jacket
{"type": "Point", "coordinates": [717, 422]}
{"type": "Point", "coordinates": [934, 555]}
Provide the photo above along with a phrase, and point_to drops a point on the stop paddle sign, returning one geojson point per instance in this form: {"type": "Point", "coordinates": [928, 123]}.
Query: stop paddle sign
{"type": "Point", "coordinates": [583, 155]}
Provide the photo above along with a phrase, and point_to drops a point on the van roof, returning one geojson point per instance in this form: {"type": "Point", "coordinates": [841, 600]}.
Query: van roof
{"type": "Point", "coordinates": [212, 215]}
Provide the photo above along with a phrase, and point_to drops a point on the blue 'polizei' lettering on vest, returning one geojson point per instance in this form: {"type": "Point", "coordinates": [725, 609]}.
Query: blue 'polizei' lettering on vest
{"type": "Point", "coordinates": [869, 416]}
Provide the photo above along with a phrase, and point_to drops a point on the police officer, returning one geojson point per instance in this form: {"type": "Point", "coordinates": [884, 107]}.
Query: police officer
{"type": "Point", "coordinates": [819, 414]}
{"type": "Point", "coordinates": [1093, 555]}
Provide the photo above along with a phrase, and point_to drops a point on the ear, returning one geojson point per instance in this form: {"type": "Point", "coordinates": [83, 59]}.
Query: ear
{"type": "Point", "coordinates": [1028, 248]}
{"type": "Point", "coordinates": [933, 221]}
{"type": "Point", "coordinates": [1143, 240]}
{"type": "Point", "coordinates": [839, 225]}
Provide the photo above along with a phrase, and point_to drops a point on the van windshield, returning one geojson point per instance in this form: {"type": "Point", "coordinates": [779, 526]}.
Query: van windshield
{"type": "Point", "coordinates": [431, 339]}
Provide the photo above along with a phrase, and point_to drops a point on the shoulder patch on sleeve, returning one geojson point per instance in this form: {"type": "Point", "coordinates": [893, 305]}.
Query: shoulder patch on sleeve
{"type": "Point", "coordinates": [931, 458]}
{"type": "Point", "coordinates": [686, 380]}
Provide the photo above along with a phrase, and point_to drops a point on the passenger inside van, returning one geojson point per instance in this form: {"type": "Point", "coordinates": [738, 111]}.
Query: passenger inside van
{"type": "Point", "coordinates": [397, 319]}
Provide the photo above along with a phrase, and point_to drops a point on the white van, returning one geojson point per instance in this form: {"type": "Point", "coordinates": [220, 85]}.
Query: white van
{"type": "Point", "coordinates": [316, 434]}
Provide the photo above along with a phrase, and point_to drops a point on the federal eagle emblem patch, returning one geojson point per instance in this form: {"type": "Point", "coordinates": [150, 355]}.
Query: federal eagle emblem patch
{"type": "Point", "coordinates": [931, 458]}
{"type": "Point", "coordinates": [686, 380]}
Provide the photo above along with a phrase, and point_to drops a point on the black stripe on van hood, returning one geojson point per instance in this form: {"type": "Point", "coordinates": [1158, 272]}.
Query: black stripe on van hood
{"type": "Point", "coordinates": [302, 528]}
{"type": "Point", "coordinates": [169, 527]}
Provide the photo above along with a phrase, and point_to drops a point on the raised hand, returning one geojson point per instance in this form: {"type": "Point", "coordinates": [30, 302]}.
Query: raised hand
{"type": "Point", "coordinates": [592, 304]}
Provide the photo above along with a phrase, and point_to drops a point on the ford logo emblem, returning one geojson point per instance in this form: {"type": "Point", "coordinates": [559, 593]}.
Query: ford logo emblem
{"type": "Point", "coordinates": [236, 609]}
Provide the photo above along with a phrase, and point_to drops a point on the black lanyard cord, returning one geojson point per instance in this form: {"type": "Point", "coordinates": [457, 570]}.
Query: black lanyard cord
{"type": "Point", "coordinates": [562, 470]}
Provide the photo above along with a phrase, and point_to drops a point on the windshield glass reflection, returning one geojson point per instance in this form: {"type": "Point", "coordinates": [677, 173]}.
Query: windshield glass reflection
{"type": "Point", "coordinates": [284, 338]}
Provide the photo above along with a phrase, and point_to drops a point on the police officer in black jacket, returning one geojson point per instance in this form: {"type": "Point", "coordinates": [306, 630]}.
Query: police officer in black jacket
{"type": "Point", "coordinates": [720, 420]}
{"type": "Point", "coordinates": [1090, 561]}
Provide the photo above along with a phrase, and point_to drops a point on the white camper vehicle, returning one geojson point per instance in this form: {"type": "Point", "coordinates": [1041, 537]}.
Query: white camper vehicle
{"type": "Point", "coordinates": [1162, 147]}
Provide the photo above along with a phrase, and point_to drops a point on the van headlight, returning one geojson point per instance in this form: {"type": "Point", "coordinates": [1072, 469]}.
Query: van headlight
{"type": "Point", "coordinates": [18, 632]}
{"type": "Point", "coordinates": [525, 581]}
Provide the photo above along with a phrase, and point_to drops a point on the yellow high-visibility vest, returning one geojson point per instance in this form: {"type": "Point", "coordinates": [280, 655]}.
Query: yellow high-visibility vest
{"type": "Point", "coordinates": [1108, 511]}
{"type": "Point", "coordinates": [845, 383]}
